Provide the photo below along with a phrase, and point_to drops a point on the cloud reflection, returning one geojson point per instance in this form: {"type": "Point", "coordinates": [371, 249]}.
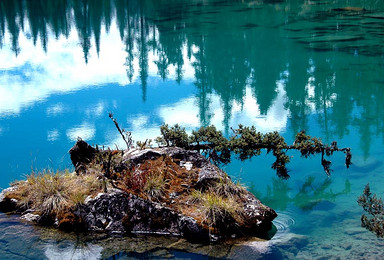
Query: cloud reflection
{"type": "Point", "coordinates": [55, 109]}
{"type": "Point", "coordinates": [85, 131]}
{"type": "Point", "coordinates": [60, 70]}
{"type": "Point", "coordinates": [53, 135]}
{"type": "Point", "coordinates": [89, 251]}
{"type": "Point", "coordinates": [34, 75]}
{"type": "Point", "coordinates": [185, 112]}
{"type": "Point", "coordinates": [96, 110]}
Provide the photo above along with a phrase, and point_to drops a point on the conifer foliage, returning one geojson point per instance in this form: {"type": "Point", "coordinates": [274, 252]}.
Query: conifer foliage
{"type": "Point", "coordinates": [374, 207]}
{"type": "Point", "coordinates": [247, 142]}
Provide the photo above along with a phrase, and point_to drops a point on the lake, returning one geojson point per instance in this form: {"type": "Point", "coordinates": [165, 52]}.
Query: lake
{"type": "Point", "coordinates": [278, 65]}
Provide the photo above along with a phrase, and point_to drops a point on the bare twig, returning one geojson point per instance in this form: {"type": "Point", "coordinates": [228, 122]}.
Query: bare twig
{"type": "Point", "coordinates": [127, 136]}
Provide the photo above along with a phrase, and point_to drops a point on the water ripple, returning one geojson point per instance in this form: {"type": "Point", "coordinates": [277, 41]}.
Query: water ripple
{"type": "Point", "coordinates": [284, 221]}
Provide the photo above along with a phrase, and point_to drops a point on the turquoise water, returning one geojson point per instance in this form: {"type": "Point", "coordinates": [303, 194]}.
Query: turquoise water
{"type": "Point", "coordinates": [278, 65]}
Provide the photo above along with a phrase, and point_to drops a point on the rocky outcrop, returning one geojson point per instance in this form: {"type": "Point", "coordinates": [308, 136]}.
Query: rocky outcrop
{"type": "Point", "coordinates": [81, 154]}
{"type": "Point", "coordinates": [119, 213]}
{"type": "Point", "coordinates": [124, 209]}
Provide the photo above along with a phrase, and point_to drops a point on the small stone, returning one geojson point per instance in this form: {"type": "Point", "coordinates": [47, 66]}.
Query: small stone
{"type": "Point", "coordinates": [355, 231]}
{"type": "Point", "coordinates": [187, 165]}
{"type": "Point", "coordinates": [30, 217]}
{"type": "Point", "coordinates": [347, 246]}
{"type": "Point", "coordinates": [326, 246]}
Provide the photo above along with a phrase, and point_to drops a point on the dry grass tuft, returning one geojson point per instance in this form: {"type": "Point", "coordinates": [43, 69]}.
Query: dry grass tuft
{"type": "Point", "coordinates": [50, 193]}
{"type": "Point", "coordinates": [226, 188]}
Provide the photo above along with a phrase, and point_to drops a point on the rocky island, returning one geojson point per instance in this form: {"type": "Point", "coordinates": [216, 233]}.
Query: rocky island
{"type": "Point", "coordinates": [176, 189]}
{"type": "Point", "coordinates": [167, 191]}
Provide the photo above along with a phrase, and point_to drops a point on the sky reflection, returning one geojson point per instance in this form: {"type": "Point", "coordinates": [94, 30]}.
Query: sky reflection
{"type": "Point", "coordinates": [59, 81]}
{"type": "Point", "coordinates": [35, 75]}
{"type": "Point", "coordinates": [277, 65]}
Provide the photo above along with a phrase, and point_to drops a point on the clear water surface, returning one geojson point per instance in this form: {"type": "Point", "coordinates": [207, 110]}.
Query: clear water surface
{"type": "Point", "coordinates": [279, 65]}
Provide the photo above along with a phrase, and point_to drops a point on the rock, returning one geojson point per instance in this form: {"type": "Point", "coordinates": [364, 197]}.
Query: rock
{"type": "Point", "coordinates": [355, 231]}
{"type": "Point", "coordinates": [119, 212]}
{"type": "Point", "coordinates": [208, 172]}
{"type": "Point", "coordinates": [293, 242]}
{"type": "Point", "coordinates": [258, 216]}
{"type": "Point", "coordinates": [186, 165]}
{"type": "Point", "coordinates": [253, 249]}
{"type": "Point", "coordinates": [31, 217]}
{"type": "Point", "coordinates": [130, 208]}
{"type": "Point", "coordinates": [191, 230]}
{"type": "Point", "coordinates": [7, 204]}
{"type": "Point", "coordinates": [81, 153]}
{"type": "Point", "coordinates": [136, 156]}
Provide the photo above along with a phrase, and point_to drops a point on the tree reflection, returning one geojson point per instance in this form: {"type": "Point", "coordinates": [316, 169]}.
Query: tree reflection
{"type": "Point", "coordinates": [12, 12]}
{"type": "Point", "coordinates": [279, 195]}
{"type": "Point", "coordinates": [228, 54]}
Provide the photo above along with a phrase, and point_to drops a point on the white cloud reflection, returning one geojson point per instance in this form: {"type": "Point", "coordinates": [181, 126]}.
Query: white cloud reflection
{"type": "Point", "coordinates": [55, 109]}
{"type": "Point", "coordinates": [97, 110]}
{"type": "Point", "coordinates": [85, 131]}
{"type": "Point", "coordinates": [53, 135]}
{"type": "Point", "coordinates": [34, 75]}
{"type": "Point", "coordinates": [37, 75]}
{"type": "Point", "coordinates": [89, 251]}
{"type": "Point", "coordinates": [185, 112]}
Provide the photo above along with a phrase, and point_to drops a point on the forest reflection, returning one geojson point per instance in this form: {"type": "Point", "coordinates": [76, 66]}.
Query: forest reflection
{"type": "Point", "coordinates": [226, 61]}
{"type": "Point", "coordinates": [309, 196]}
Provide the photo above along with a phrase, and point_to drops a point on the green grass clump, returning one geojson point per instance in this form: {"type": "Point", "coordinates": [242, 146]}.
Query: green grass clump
{"type": "Point", "coordinates": [196, 196]}
{"type": "Point", "coordinates": [155, 185]}
{"type": "Point", "coordinates": [217, 210]}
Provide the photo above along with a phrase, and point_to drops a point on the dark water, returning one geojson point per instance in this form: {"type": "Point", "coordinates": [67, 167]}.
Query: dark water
{"type": "Point", "coordinates": [279, 65]}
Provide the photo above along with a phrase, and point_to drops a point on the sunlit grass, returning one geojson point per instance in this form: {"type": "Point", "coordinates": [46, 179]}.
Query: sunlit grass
{"type": "Point", "coordinates": [154, 186]}
{"type": "Point", "coordinates": [50, 193]}
{"type": "Point", "coordinates": [213, 208]}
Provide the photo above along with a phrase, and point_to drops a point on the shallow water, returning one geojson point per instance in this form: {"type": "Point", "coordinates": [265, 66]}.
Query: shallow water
{"type": "Point", "coordinates": [279, 65]}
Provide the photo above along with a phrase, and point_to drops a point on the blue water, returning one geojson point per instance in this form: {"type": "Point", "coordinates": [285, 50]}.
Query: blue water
{"type": "Point", "coordinates": [279, 65]}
